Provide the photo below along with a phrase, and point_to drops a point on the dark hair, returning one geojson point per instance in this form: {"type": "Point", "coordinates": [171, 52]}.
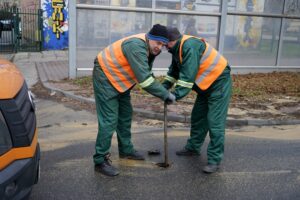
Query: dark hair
{"type": "Point", "coordinates": [173, 33]}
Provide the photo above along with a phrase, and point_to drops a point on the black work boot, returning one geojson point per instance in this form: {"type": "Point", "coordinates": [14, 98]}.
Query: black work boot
{"type": "Point", "coordinates": [132, 156]}
{"type": "Point", "coordinates": [210, 168]}
{"type": "Point", "coordinates": [186, 152]}
{"type": "Point", "coordinates": [106, 168]}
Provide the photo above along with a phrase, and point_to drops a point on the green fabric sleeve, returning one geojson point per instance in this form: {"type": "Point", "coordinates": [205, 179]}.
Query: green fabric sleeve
{"type": "Point", "coordinates": [136, 52]}
{"type": "Point", "coordinates": [192, 51]}
{"type": "Point", "coordinates": [172, 75]}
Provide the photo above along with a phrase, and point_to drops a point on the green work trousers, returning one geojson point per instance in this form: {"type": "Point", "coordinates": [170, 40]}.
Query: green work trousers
{"type": "Point", "coordinates": [209, 115]}
{"type": "Point", "coordinates": [114, 112]}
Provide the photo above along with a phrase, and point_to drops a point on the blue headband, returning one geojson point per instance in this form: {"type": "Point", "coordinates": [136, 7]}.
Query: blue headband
{"type": "Point", "coordinates": [157, 38]}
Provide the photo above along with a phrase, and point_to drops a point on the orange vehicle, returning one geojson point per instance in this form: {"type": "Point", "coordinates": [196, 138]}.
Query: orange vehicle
{"type": "Point", "coordinates": [19, 147]}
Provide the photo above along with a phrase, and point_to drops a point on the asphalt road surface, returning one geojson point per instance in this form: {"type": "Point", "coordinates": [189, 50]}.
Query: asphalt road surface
{"type": "Point", "coordinates": [259, 162]}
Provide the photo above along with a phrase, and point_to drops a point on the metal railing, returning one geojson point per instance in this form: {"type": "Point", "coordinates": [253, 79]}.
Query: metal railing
{"type": "Point", "coordinates": [20, 30]}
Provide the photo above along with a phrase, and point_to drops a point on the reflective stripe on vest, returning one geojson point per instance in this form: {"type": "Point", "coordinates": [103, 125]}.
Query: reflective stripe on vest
{"type": "Point", "coordinates": [115, 65]}
{"type": "Point", "coordinates": [211, 66]}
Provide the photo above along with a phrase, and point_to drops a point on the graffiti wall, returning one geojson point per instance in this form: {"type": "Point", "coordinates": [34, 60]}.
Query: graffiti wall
{"type": "Point", "coordinates": [55, 24]}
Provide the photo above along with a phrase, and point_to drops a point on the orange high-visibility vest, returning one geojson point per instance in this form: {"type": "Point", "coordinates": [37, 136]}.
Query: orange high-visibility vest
{"type": "Point", "coordinates": [211, 66]}
{"type": "Point", "coordinates": [115, 65]}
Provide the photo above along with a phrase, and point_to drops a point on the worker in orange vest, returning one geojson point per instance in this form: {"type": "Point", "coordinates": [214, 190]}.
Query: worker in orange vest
{"type": "Point", "coordinates": [197, 66]}
{"type": "Point", "coordinates": [117, 69]}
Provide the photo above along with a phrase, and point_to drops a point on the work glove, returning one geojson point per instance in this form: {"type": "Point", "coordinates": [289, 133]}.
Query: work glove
{"type": "Point", "coordinates": [167, 85]}
{"type": "Point", "coordinates": [171, 99]}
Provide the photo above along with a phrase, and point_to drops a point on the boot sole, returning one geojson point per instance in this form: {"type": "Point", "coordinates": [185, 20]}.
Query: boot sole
{"type": "Point", "coordinates": [105, 173]}
{"type": "Point", "coordinates": [131, 158]}
{"type": "Point", "coordinates": [210, 171]}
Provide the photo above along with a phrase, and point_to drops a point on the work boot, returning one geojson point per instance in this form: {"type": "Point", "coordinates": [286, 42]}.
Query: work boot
{"type": "Point", "coordinates": [210, 168]}
{"type": "Point", "coordinates": [186, 152]}
{"type": "Point", "coordinates": [132, 156]}
{"type": "Point", "coordinates": [106, 168]}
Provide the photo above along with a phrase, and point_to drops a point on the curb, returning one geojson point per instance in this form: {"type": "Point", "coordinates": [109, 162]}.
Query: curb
{"type": "Point", "coordinates": [179, 118]}
{"type": "Point", "coordinates": [9, 57]}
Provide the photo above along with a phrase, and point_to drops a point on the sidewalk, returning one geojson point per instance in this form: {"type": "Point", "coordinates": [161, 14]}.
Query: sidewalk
{"type": "Point", "coordinates": [53, 66]}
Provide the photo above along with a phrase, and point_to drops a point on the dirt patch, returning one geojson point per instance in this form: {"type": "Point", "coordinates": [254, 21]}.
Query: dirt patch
{"type": "Point", "coordinates": [43, 93]}
{"type": "Point", "coordinates": [267, 96]}
{"type": "Point", "coordinates": [250, 88]}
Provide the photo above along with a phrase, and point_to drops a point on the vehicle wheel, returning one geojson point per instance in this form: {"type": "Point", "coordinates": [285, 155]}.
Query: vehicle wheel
{"type": "Point", "coordinates": [38, 174]}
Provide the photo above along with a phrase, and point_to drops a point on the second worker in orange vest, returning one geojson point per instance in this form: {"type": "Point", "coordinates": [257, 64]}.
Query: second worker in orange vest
{"type": "Point", "coordinates": [117, 69]}
{"type": "Point", "coordinates": [197, 66]}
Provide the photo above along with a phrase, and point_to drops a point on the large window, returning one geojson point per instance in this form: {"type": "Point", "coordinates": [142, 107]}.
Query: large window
{"type": "Point", "coordinates": [251, 40]}
{"type": "Point", "coordinates": [256, 32]}
{"type": "Point", "coordinates": [290, 52]}
{"type": "Point", "coordinates": [104, 28]}
{"type": "Point", "coordinates": [259, 6]}
{"type": "Point", "coordinates": [292, 7]}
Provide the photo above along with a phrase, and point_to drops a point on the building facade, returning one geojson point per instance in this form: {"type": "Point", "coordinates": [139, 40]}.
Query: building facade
{"type": "Point", "coordinates": [253, 34]}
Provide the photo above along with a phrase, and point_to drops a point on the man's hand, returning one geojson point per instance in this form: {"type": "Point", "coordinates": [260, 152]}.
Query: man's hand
{"type": "Point", "coordinates": [167, 85]}
{"type": "Point", "coordinates": [171, 99]}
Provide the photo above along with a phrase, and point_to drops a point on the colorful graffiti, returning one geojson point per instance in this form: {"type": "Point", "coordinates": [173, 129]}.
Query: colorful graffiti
{"type": "Point", "coordinates": [57, 17]}
{"type": "Point", "coordinates": [55, 24]}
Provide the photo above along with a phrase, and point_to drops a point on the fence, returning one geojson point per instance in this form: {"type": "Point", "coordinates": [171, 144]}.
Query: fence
{"type": "Point", "coordinates": [20, 30]}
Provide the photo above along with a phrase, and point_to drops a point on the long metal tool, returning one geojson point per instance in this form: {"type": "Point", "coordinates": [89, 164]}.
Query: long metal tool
{"type": "Point", "coordinates": [166, 163]}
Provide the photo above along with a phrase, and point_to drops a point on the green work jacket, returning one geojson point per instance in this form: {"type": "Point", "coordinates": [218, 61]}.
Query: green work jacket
{"type": "Point", "coordinates": [186, 72]}
{"type": "Point", "coordinates": [140, 60]}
